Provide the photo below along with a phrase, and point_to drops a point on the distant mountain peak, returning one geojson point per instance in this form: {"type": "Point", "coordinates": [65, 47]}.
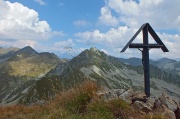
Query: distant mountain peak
{"type": "Point", "coordinates": [94, 49]}
{"type": "Point", "coordinates": [27, 49]}
{"type": "Point", "coordinates": [166, 60]}
{"type": "Point", "coordinates": [23, 53]}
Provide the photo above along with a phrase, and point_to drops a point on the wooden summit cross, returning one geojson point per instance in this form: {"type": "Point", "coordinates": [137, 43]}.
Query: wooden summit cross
{"type": "Point", "coordinates": [145, 51]}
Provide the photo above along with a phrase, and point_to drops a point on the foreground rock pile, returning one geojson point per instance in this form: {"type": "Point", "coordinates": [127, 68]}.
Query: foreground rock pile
{"type": "Point", "coordinates": [163, 104]}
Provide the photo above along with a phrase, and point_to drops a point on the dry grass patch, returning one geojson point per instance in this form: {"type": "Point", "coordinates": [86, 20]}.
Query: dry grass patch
{"type": "Point", "coordinates": [76, 99]}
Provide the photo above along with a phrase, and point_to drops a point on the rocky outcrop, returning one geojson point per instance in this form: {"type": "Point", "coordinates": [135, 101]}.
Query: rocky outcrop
{"type": "Point", "coordinates": [168, 102]}
{"type": "Point", "coordinates": [141, 106]}
{"type": "Point", "coordinates": [163, 105]}
{"type": "Point", "coordinates": [117, 93]}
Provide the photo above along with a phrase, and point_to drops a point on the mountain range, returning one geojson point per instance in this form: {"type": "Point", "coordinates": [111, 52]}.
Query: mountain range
{"type": "Point", "coordinates": [166, 64]}
{"type": "Point", "coordinates": [28, 77]}
{"type": "Point", "coordinates": [21, 69]}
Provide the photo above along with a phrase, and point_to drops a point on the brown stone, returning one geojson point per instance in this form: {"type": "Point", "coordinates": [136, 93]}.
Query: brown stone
{"type": "Point", "coordinates": [168, 102]}
{"type": "Point", "coordinates": [142, 107]}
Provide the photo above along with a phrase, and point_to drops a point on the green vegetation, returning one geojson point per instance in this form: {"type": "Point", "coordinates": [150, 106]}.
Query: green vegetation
{"type": "Point", "coordinates": [100, 80]}
{"type": "Point", "coordinates": [24, 68]}
{"type": "Point", "coordinates": [79, 102]}
{"type": "Point", "coordinates": [43, 89]}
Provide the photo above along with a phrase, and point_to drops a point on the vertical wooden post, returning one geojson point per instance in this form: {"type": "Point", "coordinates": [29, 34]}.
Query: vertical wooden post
{"type": "Point", "coordinates": [146, 62]}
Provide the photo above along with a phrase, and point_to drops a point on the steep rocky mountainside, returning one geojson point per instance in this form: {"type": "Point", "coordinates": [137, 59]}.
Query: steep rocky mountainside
{"type": "Point", "coordinates": [19, 72]}
{"type": "Point", "coordinates": [112, 73]}
{"type": "Point", "coordinates": [168, 65]}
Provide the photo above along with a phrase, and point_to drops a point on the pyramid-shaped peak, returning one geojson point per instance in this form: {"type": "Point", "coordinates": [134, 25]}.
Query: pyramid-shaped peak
{"type": "Point", "coordinates": [94, 49]}
{"type": "Point", "coordinates": [28, 50]}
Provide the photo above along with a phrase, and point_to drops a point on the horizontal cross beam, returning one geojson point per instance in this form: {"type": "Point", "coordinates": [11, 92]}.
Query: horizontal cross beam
{"type": "Point", "coordinates": [138, 45]}
{"type": "Point", "coordinates": [153, 34]}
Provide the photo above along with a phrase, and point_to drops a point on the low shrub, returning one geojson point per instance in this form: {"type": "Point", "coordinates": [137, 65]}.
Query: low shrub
{"type": "Point", "coordinates": [100, 109]}
{"type": "Point", "coordinates": [76, 99]}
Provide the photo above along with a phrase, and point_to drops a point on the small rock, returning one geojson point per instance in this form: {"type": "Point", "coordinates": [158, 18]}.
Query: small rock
{"type": "Point", "coordinates": [168, 102]}
{"type": "Point", "coordinates": [157, 103]}
{"type": "Point", "coordinates": [118, 92]}
{"type": "Point", "coordinates": [165, 112]}
{"type": "Point", "coordinates": [115, 94]}
{"type": "Point", "coordinates": [150, 102]}
{"type": "Point", "coordinates": [142, 107]}
{"type": "Point", "coordinates": [127, 95]}
{"type": "Point", "coordinates": [139, 95]}
{"type": "Point", "coordinates": [168, 113]}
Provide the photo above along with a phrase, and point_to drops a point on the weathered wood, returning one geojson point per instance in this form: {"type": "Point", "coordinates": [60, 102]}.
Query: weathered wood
{"type": "Point", "coordinates": [153, 34]}
{"type": "Point", "coordinates": [135, 35]}
{"type": "Point", "coordinates": [138, 45]}
{"type": "Point", "coordinates": [157, 39]}
{"type": "Point", "coordinates": [145, 54]}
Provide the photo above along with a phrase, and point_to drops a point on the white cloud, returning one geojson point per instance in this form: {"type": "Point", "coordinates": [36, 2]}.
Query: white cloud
{"type": "Point", "coordinates": [115, 37]}
{"type": "Point", "coordinates": [64, 47]}
{"type": "Point", "coordinates": [106, 17]}
{"type": "Point", "coordinates": [80, 23]}
{"type": "Point", "coordinates": [162, 14]}
{"type": "Point", "coordinates": [172, 42]}
{"type": "Point", "coordinates": [65, 43]}
{"type": "Point", "coordinates": [18, 43]}
{"type": "Point", "coordinates": [18, 22]}
{"type": "Point", "coordinates": [41, 2]}
{"type": "Point", "coordinates": [124, 7]}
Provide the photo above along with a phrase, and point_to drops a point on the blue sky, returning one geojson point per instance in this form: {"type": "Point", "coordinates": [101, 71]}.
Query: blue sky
{"type": "Point", "coordinates": [67, 27]}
